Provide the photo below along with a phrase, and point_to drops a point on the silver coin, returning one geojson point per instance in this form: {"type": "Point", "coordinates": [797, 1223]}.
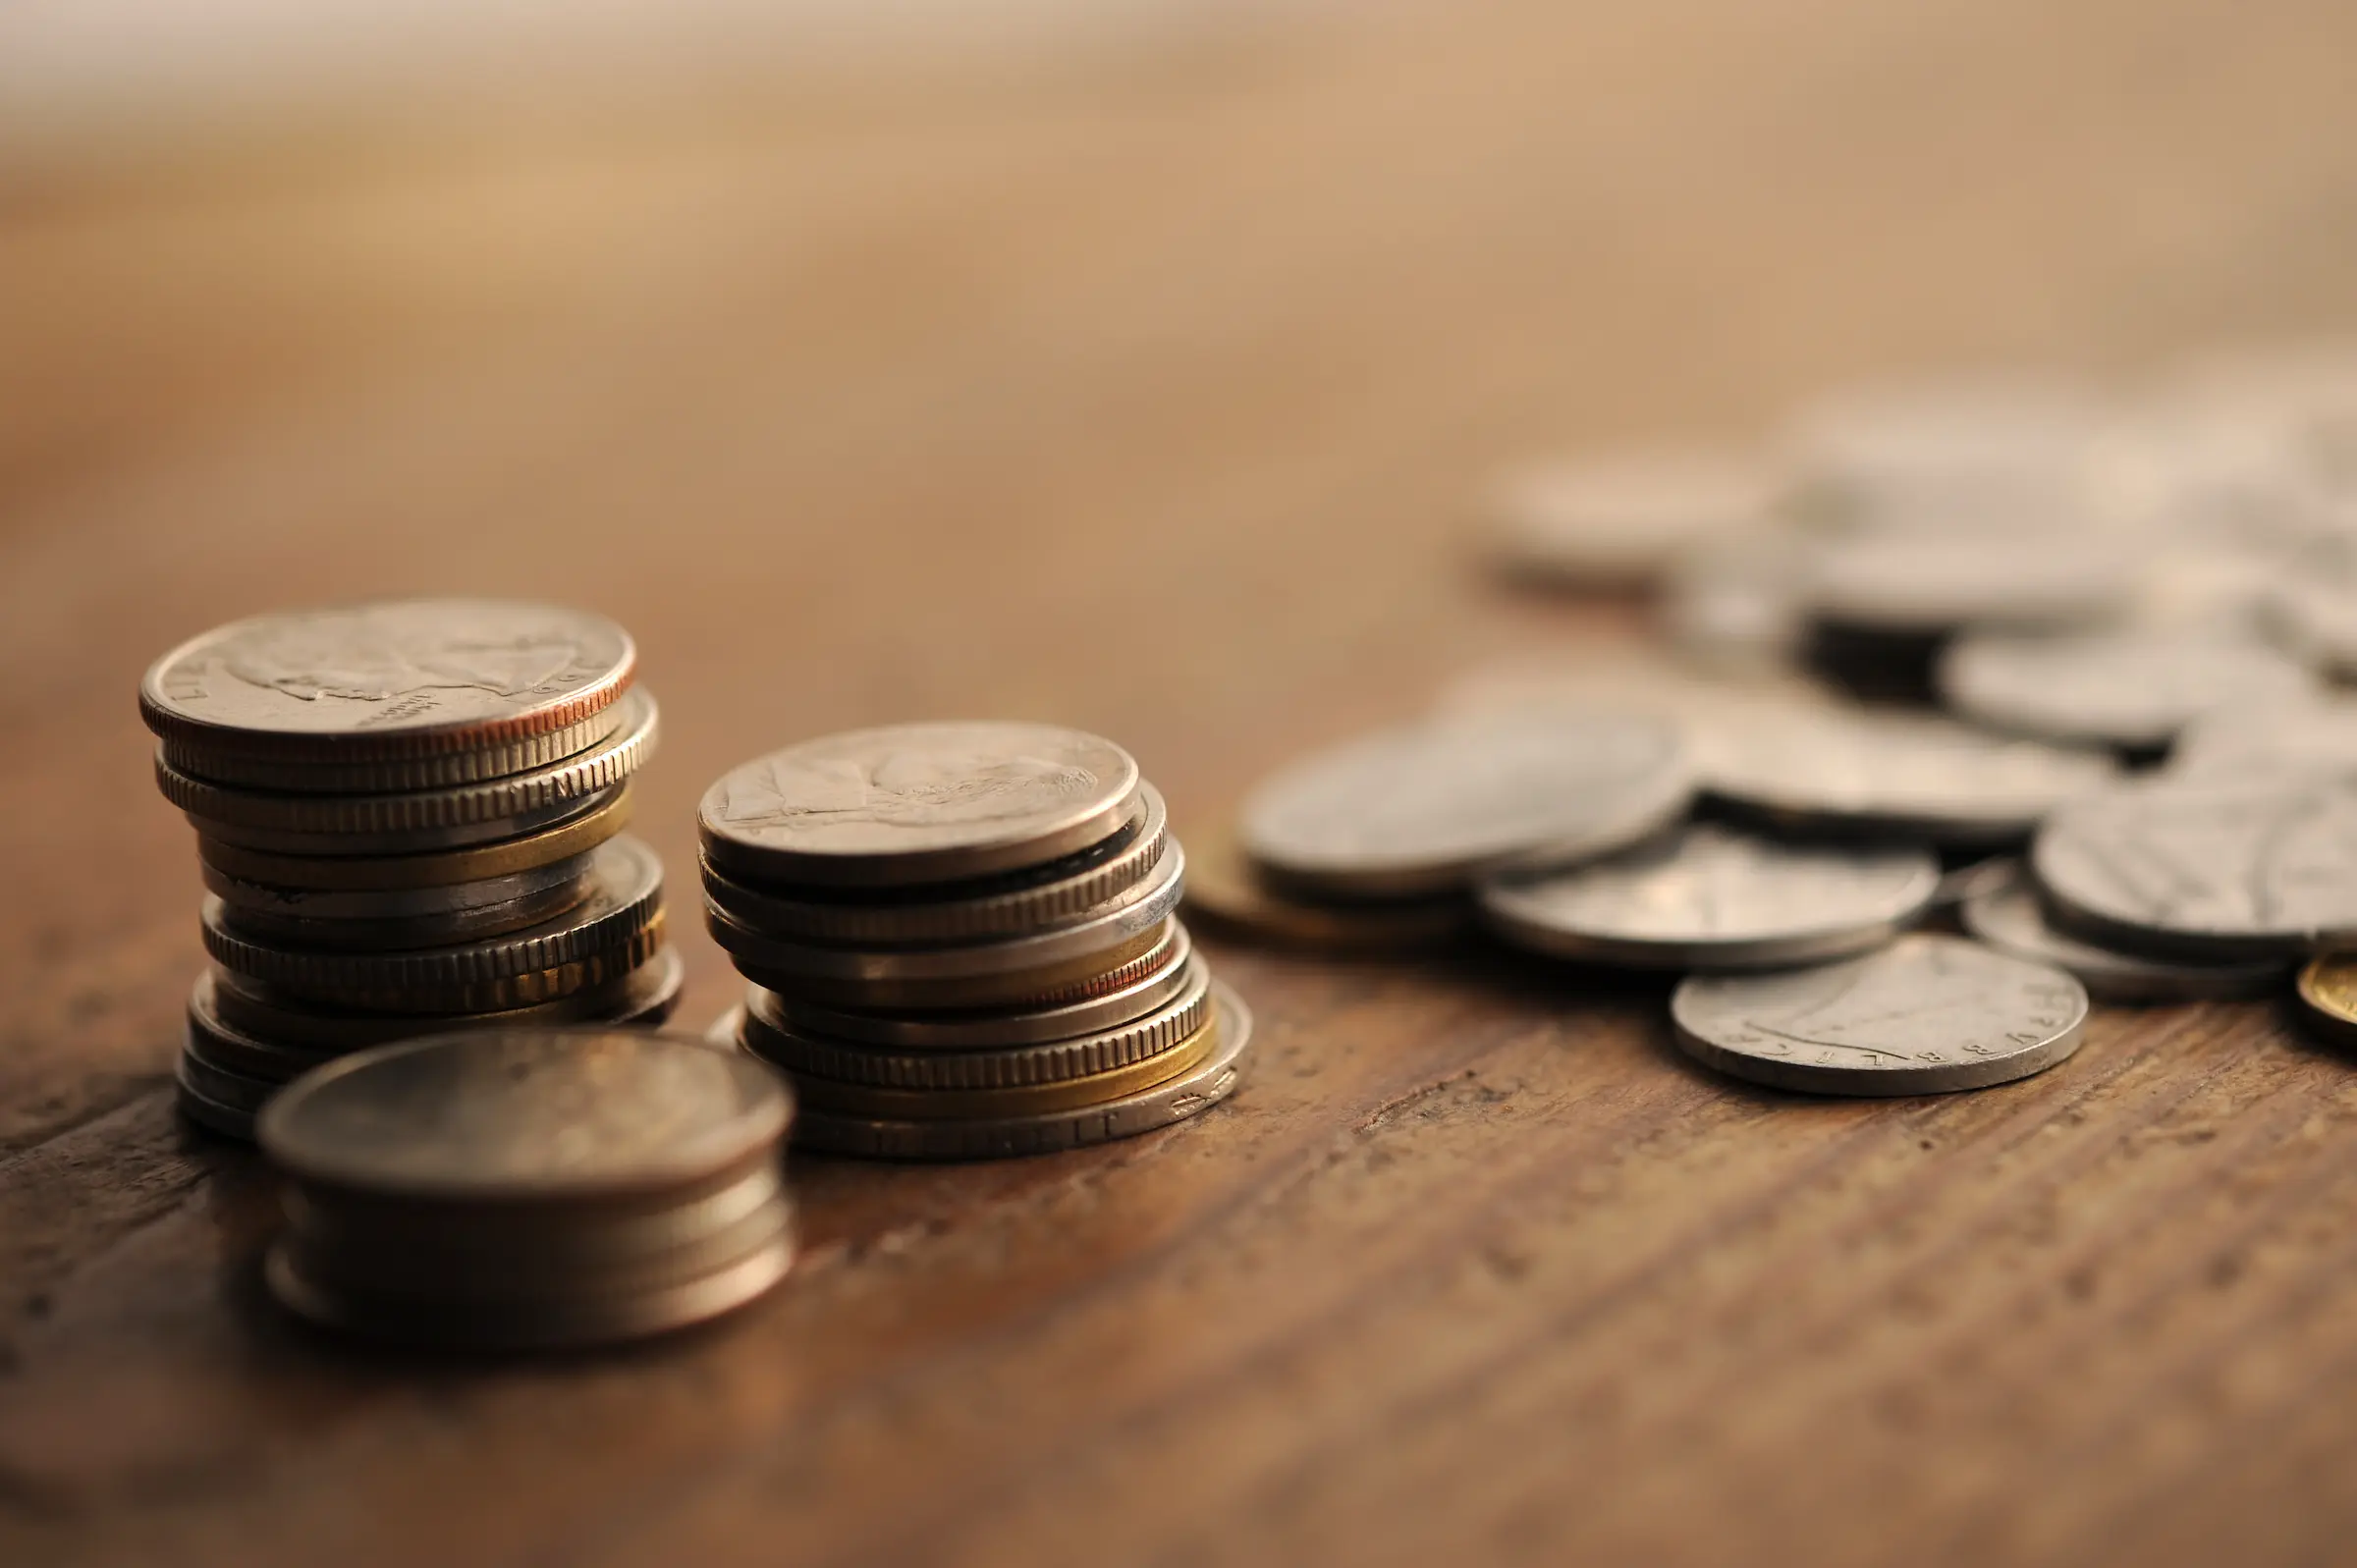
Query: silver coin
{"type": "Point", "coordinates": [1736, 606]}
{"type": "Point", "coordinates": [1137, 908]}
{"type": "Point", "coordinates": [2312, 606]}
{"type": "Point", "coordinates": [1620, 520]}
{"type": "Point", "coordinates": [2127, 688]}
{"type": "Point", "coordinates": [1927, 1014]}
{"type": "Point", "coordinates": [218, 807]}
{"type": "Point", "coordinates": [1158, 978]}
{"type": "Point", "coordinates": [594, 943]}
{"type": "Point", "coordinates": [1427, 809]}
{"type": "Point", "coordinates": [391, 775]}
{"type": "Point", "coordinates": [452, 927]}
{"type": "Point", "coordinates": [1934, 582]}
{"type": "Point", "coordinates": [1053, 1061]}
{"type": "Point", "coordinates": [1885, 773]}
{"type": "Point", "coordinates": [451, 837]}
{"type": "Point", "coordinates": [2259, 742]}
{"type": "Point", "coordinates": [1023, 901]}
{"type": "Point", "coordinates": [1946, 455]}
{"type": "Point", "coordinates": [916, 803]}
{"type": "Point", "coordinates": [392, 904]}
{"type": "Point", "coordinates": [2218, 871]}
{"type": "Point", "coordinates": [398, 679]}
{"type": "Point", "coordinates": [526, 1115]}
{"type": "Point", "coordinates": [1713, 899]}
{"type": "Point", "coordinates": [2003, 912]}
{"type": "Point", "coordinates": [1196, 1091]}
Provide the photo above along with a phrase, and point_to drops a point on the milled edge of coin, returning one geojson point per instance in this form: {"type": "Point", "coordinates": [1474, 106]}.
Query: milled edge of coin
{"type": "Point", "coordinates": [1023, 1067]}
{"type": "Point", "coordinates": [1509, 908]}
{"type": "Point", "coordinates": [2110, 975]}
{"type": "Point", "coordinates": [609, 763]}
{"type": "Point", "coordinates": [760, 1124]}
{"type": "Point", "coordinates": [226, 1121]}
{"type": "Point", "coordinates": [591, 1321]}
{"type": "Point", "coordinates": [629, 871]}
{"type": "Point", "coordinates": [757, 863]}
{"type": "Point", "coordinates": [450, 838]}
{"type": "Point", "coordinates": [1161, 973]}
{"type": "Point", "coordinates": [838, 1099]}
{"type": "Point", "coordinates": [1076, 979]}
{"type": "Point", "coordinates": [1875, 1083]}
{"type": "Point", "coordinates": [643, 997]}
{"type": "Point", "coordinates": [1207, 1084]}
{"type": "Point", "coordinates": [244, 896]}
{"type": "Point", "coordinates": [169, 724]}
{"type": "Point", "coordinates": [1049, 900]}
{"type": "Point", "coordinates": [575, 836]}
{"type": "Point", "coordinates": [219, 765]}
{"type": "Point", "coordinates": [1135, 909]}
{"type": "Point", "coordinates": [406, 933]}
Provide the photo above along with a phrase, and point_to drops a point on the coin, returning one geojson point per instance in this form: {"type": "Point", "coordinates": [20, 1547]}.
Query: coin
{"type": "Point", "coordinates": [1736, 605]}
{"type": "Point", "coordinates": [1203, 1086]}
{"type": "Point", "coordinates": [2218, 871]}
{"type": "Point", "coordinates": [2312, 607]}
{"type": "Point", "coordinates": [219, 810]}
{"type": "Point", "coordinates": [404, 933]}
{"type": "Point", "coordinates": [1618, 520]}
{"type": "Point", "coordinates": [1052, 1061]}
{"type": "Point", "coordinates": [526, 1115]}
{"type": "Point", "coordinates": [1149, 983]}
{"type": "Point", "coordinates": [575, 836]}
{"type": "Point", "coordinates": [838, 1097]}
{"type": "Point", "coordinates": [1094, 973]}
{"type": "Point", "coordinates": [2003, 912]}
{"type": "Point", "coordinates": [2134, 689]}
{"type": "Point", "coordinates": [1142, 906]}
{"type": "Point", "coordinates": [330, 905]}
{"type": "Point", "coordinates": [1918, 583]}
{"type": "Point", "coordinates": [490, 834]}
{"type": "Point", "coordinates": [1882, 773]}
{"type": "Point", "coordinates": [391, 774]}
{"type": "Point", "coordinates": [540, 1326]}
{"type": "Point", "coordinates": [2327, 991]}
{"type": "Point", "coordinates": [2265, 742]}
{"type": "Point", "coordinates": [916, 803]}
{"type": "Point", "coordinates": [1426, 808]}
{"type": "Point", "coordinates": [401, 678]}
{"type": "Point", "coordinates": [1926, 1014]}
{"type": "Point", "coordinates": [1710, 899]}
{"type": "Point", "coordinates": [275, 1039]}
{"type": "Point", "coordinates": [617, 927]}
{"type": "Point", "coordinates": [1951, 454]}
{"type": "Point", "coordinates": [1227, 894]}
{"type": "Point", "coordinates": [1058, 892]}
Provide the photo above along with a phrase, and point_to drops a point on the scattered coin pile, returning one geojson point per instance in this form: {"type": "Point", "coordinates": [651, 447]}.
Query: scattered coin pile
{"type": "Point", "coordinates": [2142, 789]}
{"type": "Point", "coordinates": [960, 942]}
{"type": "Point", "coordinates": [529, 1189]}
{"type": "Point", "coordinates": [409, 817]}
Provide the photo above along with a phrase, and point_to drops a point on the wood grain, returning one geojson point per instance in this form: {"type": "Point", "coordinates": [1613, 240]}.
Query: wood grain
{"type": "Point", "coordinates": [1148, 394]}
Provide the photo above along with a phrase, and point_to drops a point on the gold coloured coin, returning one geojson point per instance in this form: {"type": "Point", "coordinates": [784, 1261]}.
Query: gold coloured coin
{"type": "Point", "coordinates": [2328, 989]}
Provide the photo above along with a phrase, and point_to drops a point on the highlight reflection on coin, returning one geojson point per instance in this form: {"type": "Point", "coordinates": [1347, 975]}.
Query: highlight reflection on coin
{"type": "Point", "coordinates": [2003, 912]}
{"type": "Point", "coordinates": [1927, 1014]}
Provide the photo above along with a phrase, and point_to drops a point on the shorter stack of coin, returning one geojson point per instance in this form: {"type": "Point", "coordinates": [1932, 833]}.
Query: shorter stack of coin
{"type": "Point", "coordinates": [530, 1188]}
{"type": "Point", "coordinates": [961, 943]}
{"type": "Point", "coordinates": [409, 816]}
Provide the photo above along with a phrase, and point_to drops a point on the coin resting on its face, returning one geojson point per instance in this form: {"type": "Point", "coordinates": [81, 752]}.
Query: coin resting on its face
{"type": "Point", "coordinates": [438, 674]}
{"type": "Point", "coordinates": [2124, 689]}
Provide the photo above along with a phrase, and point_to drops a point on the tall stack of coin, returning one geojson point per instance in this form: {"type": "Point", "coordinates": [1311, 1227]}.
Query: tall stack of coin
{"type": "Point", "coordinates": [409, 815]}
{"type": "Point", "coordinates": [530, 1188]}
{"type": "Point", "coordinates": [961, 943]}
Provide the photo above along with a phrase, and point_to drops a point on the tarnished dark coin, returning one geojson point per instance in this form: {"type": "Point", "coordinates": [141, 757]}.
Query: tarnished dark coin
{"type": "Point", "coordinates": [2133, 689]}
{"type": "Point", "coordinates": [1426, 808]}
{"type": "Point", "coordinates": [526, 1115]}
{"type": "Point", "coordinates": [2226, 870]}
{"type": "Point", "coordinates": [403, 679]}
{"type": "Point", "coordinates": [1708, 898]}
{"type": "Point", "coordinates": [1927, 1014]}
{"type": "Point", "coordinates": [2003, 912]}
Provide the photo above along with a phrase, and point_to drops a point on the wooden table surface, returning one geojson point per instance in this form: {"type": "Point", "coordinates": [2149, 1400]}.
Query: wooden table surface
{"type": "Point", "coordinates": [1146, 390]}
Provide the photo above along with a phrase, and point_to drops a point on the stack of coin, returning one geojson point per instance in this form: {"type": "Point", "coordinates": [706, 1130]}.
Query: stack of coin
{"type": "Point", "coordinates": [961, 940]}
{"type": "Point", "coordinates": [409, 817]}
{"type": "Point", "coordinates": [530, 1188]}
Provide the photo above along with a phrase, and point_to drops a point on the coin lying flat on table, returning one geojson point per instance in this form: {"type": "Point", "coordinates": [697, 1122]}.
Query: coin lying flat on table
{"type": "Point", "coordinates": [1879, 774]}
{"type": "Point", "coordinates": [1945, 454]}
{"type": "Point", "coordinates": [1225, 891]}
{"type": "Point", "coordinates": [1924, 584]}
{"type": "Point", "coordinates": [2219, 871]}
{"type": "Point", "coordinates": [1425, 809]}
{"type": "Point", "coordinates": [403, 680]}
{"type": "Point", "coordinates": [2269, 741]}
{"type": "Point", "coordinates": [1709, 898]}
{"type": "Point", "coordinates": [530, 1188]}
{"type": "Point", "coordinates": [2003, 912]}
{"type": "Point", "coordinates": [1620, 520]}
{"type": "Point", "coordinates": [1927, 1014]}
{"type": "Point", "coordinates": [2134, 689]}
{"type": "Point", "coordinates": [916, 803]}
